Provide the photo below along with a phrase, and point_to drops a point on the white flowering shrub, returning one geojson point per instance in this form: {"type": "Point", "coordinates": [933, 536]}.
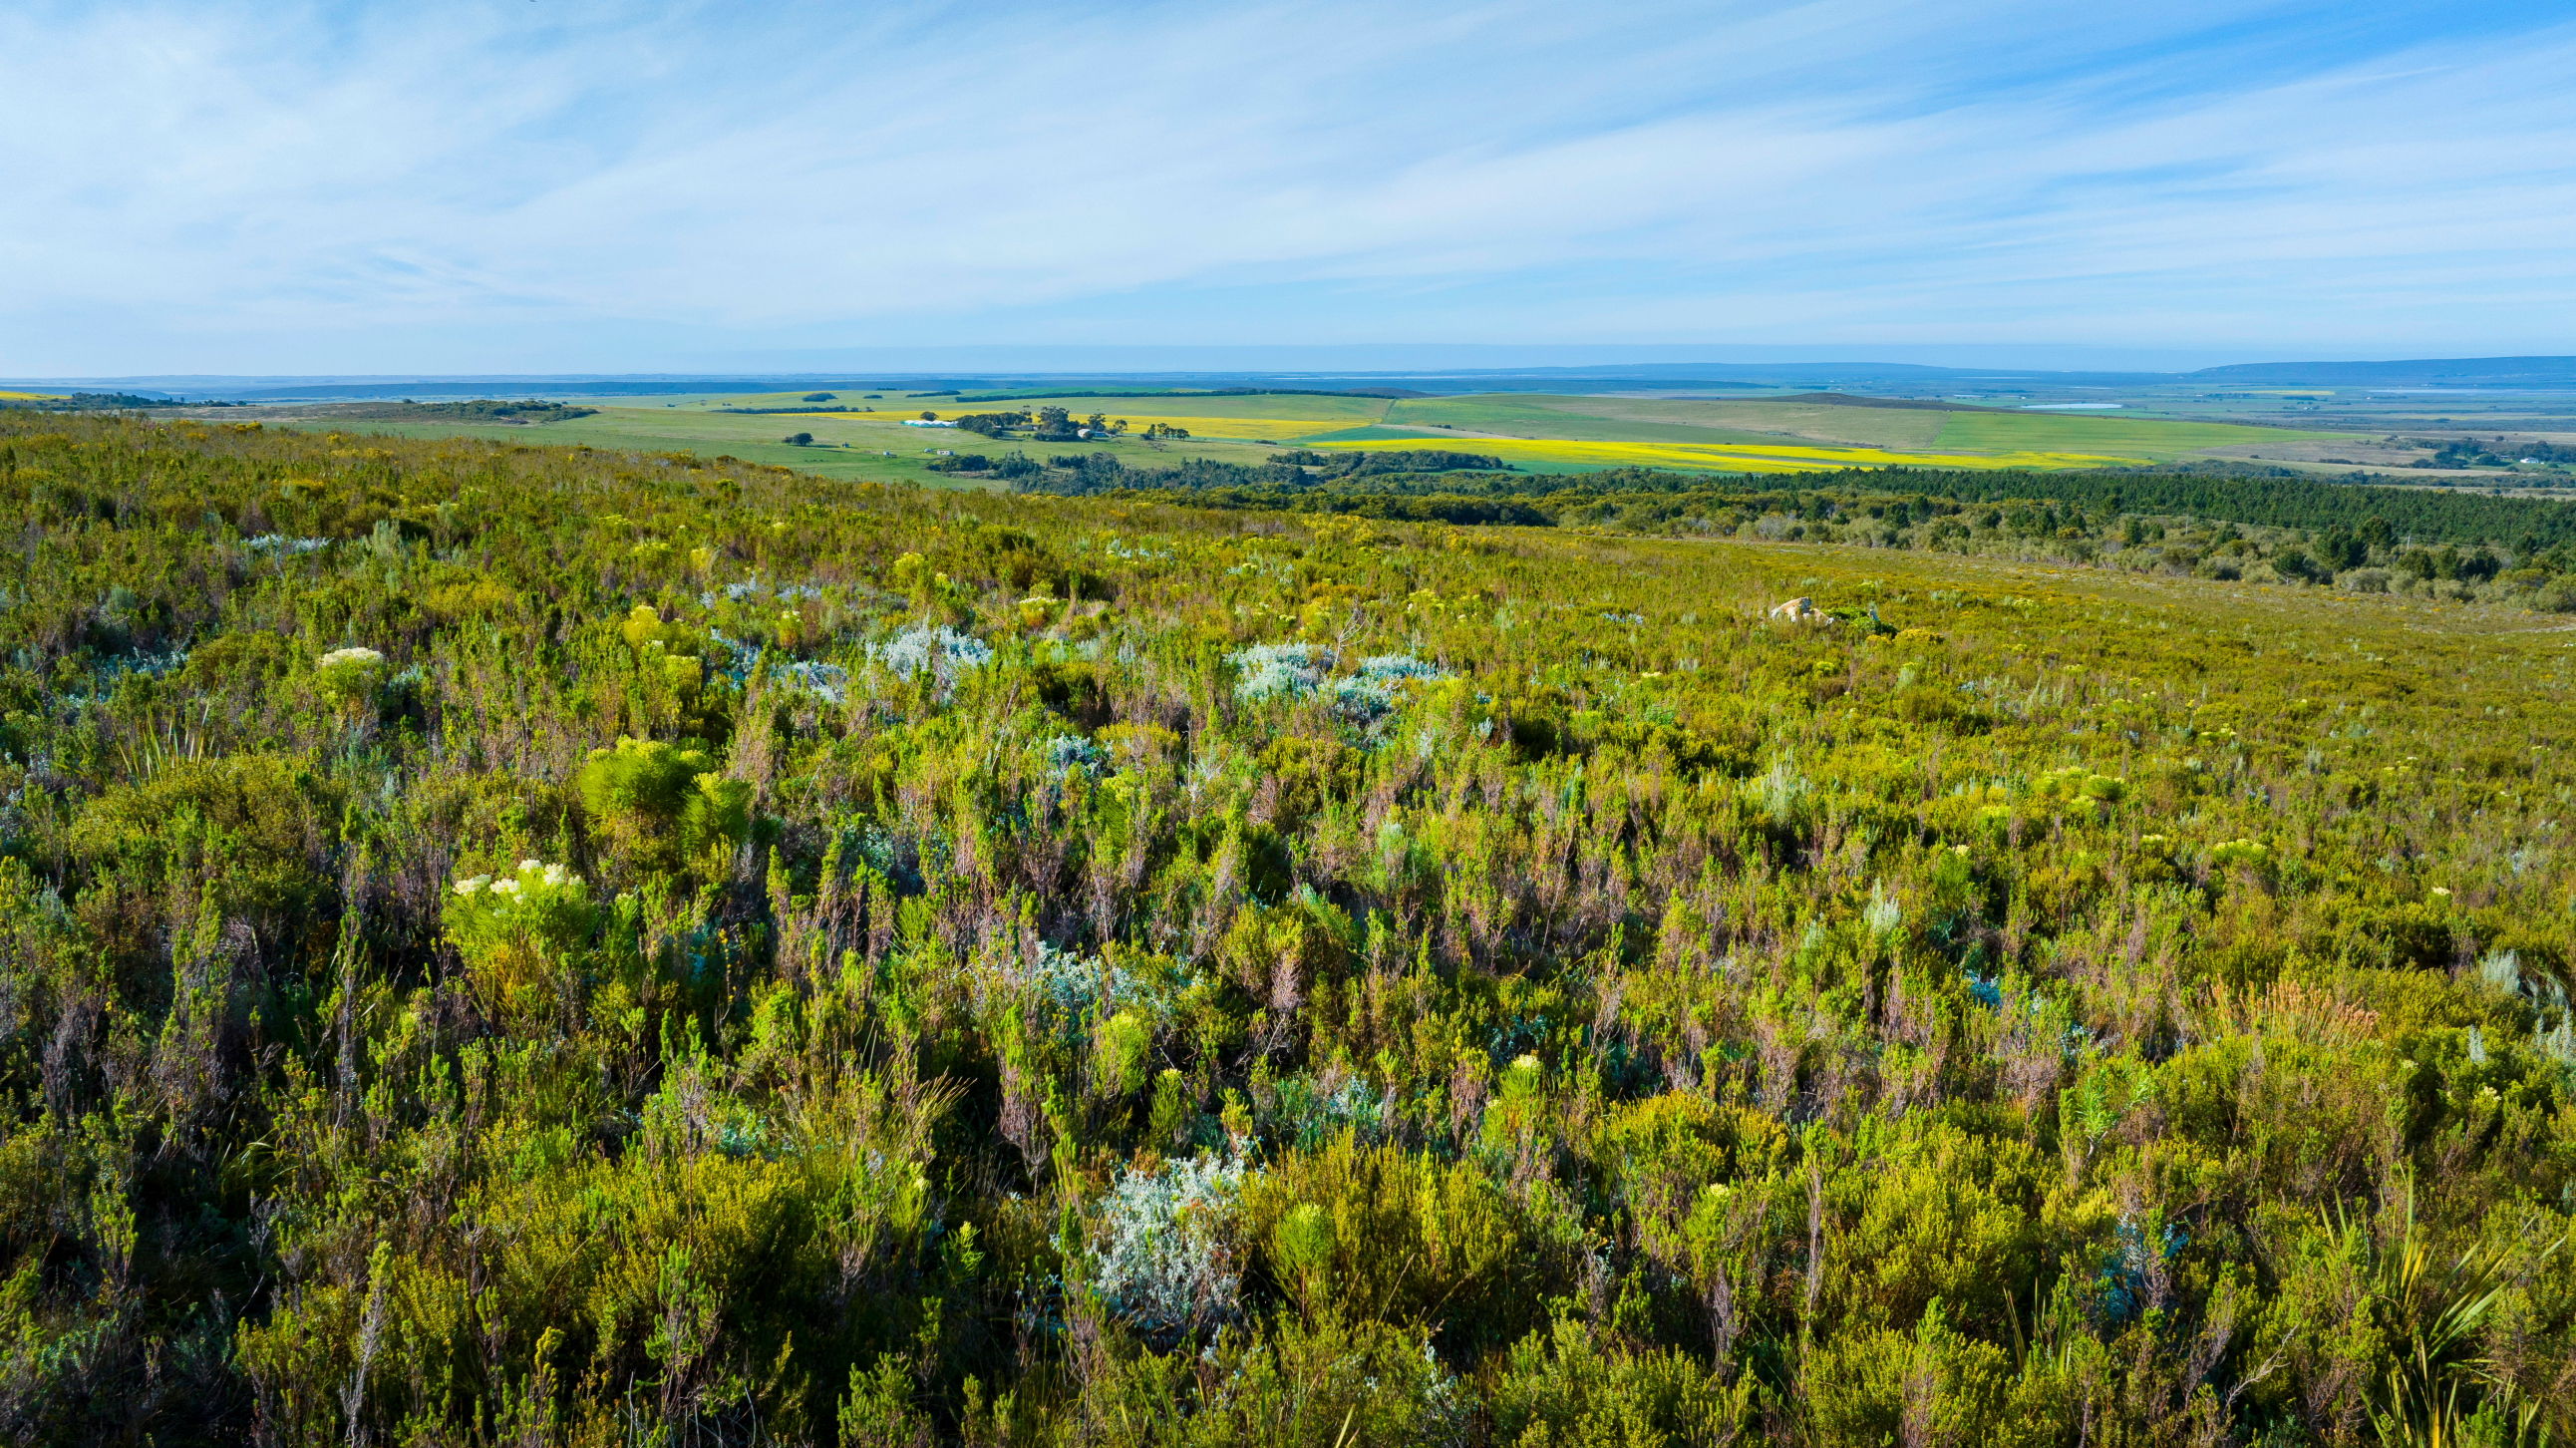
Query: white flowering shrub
{"type": "Point", "coordinates": [521, 934]}
{"type": "Point", "coordinates": [1163, 1254]}
{"type": "Point", "coordinates": [351, 677]}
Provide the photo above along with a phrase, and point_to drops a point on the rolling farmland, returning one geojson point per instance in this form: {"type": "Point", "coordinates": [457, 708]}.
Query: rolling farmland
{"type": "Point", "coordinates": [858, 436]}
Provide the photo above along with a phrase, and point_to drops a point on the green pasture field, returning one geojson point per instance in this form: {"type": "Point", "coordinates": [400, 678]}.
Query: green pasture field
{"type": "Point", "coordinates": [841, 396]}
{"type": "Point", "coordinates": [2060, 432]}
{"type": "Point", "coordinates": [1766, 420]}
{"type": "Point", "coordinates": [877, 451]}
{"type": "Point", "coordinates": [1755, 420]}
{"type": "Point", "coordinates": [1587, 419]}
{"type": "Point", "coordinates": [1297, 406]}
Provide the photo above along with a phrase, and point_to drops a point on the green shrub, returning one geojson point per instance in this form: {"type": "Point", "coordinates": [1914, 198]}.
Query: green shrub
{"type": "Point", "coordinates": [258, 828]}
{"type": "Point", "coordinates": [665, 804]}
{"type": "Point", "coordinates": [1374, 1232]}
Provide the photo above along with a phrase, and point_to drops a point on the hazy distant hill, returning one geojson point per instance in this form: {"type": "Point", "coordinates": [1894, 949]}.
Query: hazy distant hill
{"type": "Point", "coordinates": [2452, 372]}
{"type": "Point", "coordinates": [1899, 378]}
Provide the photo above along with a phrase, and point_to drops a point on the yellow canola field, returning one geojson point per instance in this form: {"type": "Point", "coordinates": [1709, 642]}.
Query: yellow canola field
{"type": "Point", "coordinates": [1227, 428]}
{"type": "Point", "coordinates": [27, 396]}
{"type": "Point", "coordinates": [1734, 457]}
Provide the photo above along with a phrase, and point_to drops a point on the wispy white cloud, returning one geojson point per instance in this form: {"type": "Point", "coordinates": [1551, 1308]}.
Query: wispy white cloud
{"type": "Point", "coordinates": [224, 186]}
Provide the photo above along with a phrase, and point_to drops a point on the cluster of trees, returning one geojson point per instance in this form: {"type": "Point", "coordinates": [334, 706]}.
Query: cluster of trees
{"type": "Point", "coordinates": [1286, 481]}
{"type": "Point", "coordinates": [2370, 539]}
{"type": "Point", "coordinates": [86, 402]}
{"type": "Point", "coordinates": [2307, 504]}
{"type": "Point", "coordinates": [489, 410]}
{"type": "Point", "coordinates": [530, 411]}
{"type": "Point", "coordinates": [2470, 452]}
{"type": "Point", "coordinates": [1010, 467]}
{"type": "Point", "coordinates": [2370, 558]}
{"type": "Point", "coordinates": [558, 946]}
{"type": "Point", "coordinates": [1052, 424]}
{"type": "Point", "coordinates": [1325, 466]}
{"type": "Point", "coordinates": [1303, 479]}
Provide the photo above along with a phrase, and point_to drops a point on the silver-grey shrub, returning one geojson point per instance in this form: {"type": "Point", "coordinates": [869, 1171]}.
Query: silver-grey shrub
{"type": "Point", "coordinates": [1163, 1255]}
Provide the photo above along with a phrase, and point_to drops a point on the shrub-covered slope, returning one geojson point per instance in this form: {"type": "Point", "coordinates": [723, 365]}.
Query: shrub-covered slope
{"type": "Point", "coordinates": [530, 945]}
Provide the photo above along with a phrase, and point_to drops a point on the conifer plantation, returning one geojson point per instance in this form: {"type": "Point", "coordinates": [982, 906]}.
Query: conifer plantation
{"type": "Point", "coordinates": [547, 946]}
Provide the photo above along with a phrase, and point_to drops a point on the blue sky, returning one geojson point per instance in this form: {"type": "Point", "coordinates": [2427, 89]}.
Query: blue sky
{"type": "Point", "coordinates": [544, 185]}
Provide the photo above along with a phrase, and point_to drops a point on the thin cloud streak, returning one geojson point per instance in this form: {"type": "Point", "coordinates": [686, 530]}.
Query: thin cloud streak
{"type": "Point", "coordinates": [221, 187]}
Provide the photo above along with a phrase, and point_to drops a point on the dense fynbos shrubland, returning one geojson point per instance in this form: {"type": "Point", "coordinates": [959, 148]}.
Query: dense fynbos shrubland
{"type": "Point", "coordinates": [540, 946]}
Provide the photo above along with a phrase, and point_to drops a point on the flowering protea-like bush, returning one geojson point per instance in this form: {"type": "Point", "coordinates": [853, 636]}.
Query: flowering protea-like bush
{"type": "Point", "coordinates": [522, 936]}
{"type": "Point", "coordinates": [351, 677]}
